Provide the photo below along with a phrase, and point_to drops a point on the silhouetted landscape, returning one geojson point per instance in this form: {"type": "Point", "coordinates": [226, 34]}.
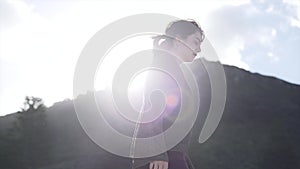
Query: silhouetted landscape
{"type": "Point", "coordinates": [259, 129]}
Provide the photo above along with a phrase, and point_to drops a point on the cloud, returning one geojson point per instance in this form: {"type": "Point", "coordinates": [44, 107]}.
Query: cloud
{"type": "Point", "coordinates": [295, 6]}
{"type": "Point", "coordinates": [8, 15]}
{"type": "Point", "coordinates": [259, 36]}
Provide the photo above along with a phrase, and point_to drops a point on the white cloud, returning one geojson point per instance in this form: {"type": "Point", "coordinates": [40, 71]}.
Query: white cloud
{"type": "Point", "coordinates": [294, 3]}
{"type": "Point", "coordinates": [270, 9]}
{"type": "Point", "coordinates": [273, 32]}
{"type": "Point", "coordinates": [256, 36]}
{"type": "Point", "coordinates": [294, 20]}
{"type": "Point", "coordinates": [272, 57]}
{"type": "Point", "coordinates": [230, 53]}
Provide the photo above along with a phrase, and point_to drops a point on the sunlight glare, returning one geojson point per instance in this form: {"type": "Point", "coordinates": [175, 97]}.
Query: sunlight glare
{"type": "Point", "coordinates": [116, 56]}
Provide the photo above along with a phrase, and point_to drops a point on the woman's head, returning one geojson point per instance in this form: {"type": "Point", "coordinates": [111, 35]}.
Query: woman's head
{"type": "Point", "coordinates": [183, 28]}
{"type": "Point", "coordinates": [183, 38]}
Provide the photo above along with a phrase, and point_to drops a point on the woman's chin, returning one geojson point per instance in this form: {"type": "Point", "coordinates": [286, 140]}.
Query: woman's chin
{"type": "Point", "coordinates": [190, 59]}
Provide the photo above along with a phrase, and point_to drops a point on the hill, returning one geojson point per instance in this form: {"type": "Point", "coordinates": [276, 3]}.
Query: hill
{"type": "Point", "coordinates": [259, 130]}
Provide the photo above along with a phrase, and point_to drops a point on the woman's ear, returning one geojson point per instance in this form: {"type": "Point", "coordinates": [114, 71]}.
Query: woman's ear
{"type": "Point", "coordinates": [177, 43]}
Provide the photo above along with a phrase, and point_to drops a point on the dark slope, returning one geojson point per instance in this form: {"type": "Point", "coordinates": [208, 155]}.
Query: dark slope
{"type": "Point", "coordinates": [259, 129]}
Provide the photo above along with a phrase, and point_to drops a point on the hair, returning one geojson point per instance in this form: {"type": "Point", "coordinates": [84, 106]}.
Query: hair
{"type": "Point", "coordinates": [180, 29]}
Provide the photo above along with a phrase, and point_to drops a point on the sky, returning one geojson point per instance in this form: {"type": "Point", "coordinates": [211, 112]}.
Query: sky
{"type": "Point", "coordinates": [40, 41]}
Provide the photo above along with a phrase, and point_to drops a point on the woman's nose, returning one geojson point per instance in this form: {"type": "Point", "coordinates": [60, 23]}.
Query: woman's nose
{"type": "Point", "coordinates": [198, 50]}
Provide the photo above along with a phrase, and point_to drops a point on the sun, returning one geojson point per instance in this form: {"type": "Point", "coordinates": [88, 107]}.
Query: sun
{"type": "Point", "coordinates": [116, 56]}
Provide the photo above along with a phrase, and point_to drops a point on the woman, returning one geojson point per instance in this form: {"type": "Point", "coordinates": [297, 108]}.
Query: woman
{"type": "Point", "coordinates": [181, 43]}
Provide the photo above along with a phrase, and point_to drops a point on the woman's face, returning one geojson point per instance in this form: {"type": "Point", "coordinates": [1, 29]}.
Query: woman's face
{"type": "Point", "coordinates": [189, 47]}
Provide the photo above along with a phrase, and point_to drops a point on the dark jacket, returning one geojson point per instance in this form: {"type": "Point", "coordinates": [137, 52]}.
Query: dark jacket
{"type": "Point", "coordinates": [167, 76]}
